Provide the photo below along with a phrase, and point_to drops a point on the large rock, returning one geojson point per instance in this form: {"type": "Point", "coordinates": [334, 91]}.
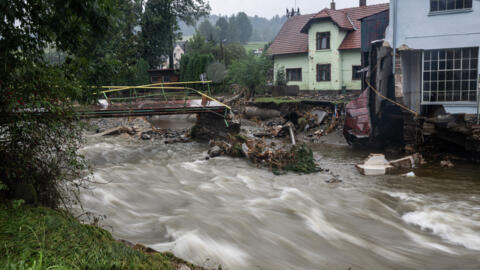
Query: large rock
{"type": "Point", "coordinates": [215, 151]}
{"type": "Point", "coordinates": [375, 164]}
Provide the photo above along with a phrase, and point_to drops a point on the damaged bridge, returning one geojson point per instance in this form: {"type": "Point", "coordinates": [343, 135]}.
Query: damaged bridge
{"type": "Point", "coordinates": [153, 99]}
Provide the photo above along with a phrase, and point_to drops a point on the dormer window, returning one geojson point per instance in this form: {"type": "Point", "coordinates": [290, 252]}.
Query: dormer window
{"type": "Point", "coordinates": [323, 41]}
{"type": "Point", "coordinates": [449, 5]}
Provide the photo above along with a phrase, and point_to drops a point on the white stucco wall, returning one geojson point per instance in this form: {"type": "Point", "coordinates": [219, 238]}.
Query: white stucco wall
{"type": "Point", "coordinates": [293, 61]}
{"type": "Point", "coordinates": [419, 29]}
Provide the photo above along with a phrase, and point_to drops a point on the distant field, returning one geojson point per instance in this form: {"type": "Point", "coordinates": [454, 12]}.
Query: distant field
{"type": "Point", "coordinates": [251, 46]}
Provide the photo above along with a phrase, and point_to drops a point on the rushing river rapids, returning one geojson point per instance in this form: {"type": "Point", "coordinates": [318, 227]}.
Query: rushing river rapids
{"type": "Point", "coordinates": [226, 211]}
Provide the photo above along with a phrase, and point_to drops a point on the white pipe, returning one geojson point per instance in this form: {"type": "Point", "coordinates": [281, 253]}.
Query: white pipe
{"type": "Point", "coordinates": [478, 102]}
{"type": "Point", "coordinates": [292, 135]}
{"type": "Point", "coordinates": [394, 30]}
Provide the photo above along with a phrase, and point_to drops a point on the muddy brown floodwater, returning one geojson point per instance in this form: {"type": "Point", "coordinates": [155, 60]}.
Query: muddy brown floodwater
{"type": "Point", "coordinates": [226, 211]}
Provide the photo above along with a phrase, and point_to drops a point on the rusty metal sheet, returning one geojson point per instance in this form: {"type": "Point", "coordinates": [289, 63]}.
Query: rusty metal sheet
{"type": "Point", "coordinates": [357, 120]}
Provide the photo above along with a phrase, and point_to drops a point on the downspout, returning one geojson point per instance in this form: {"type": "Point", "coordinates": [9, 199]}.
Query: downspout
{"type": "Point", "coordinates": [478, 102]}
{"type": "Point", "coordinates": [394, 29]}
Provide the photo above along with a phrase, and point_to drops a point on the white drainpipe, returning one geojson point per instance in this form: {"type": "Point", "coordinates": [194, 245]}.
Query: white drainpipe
{"type": "Point", "coordinates": [394, 29]}
{"type": "Point", "coordinates": [478, 101]}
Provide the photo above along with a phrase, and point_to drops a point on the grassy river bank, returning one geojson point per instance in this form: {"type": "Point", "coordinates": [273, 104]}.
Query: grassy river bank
{"type": "Point", "coordinates": [42, 238]}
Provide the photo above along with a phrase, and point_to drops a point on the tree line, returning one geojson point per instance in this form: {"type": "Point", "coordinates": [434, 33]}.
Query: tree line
{"type": "Point", "coordinates": [236, 28]}
{"type": "Point", "coordinates": [263, 29]}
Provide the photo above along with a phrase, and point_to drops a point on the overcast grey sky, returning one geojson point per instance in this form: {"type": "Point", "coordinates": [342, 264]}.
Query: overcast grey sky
{"type": "Point", "coordinates": [270, 8]}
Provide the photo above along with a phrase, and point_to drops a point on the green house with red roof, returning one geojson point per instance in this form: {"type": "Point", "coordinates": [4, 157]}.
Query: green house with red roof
{"type": "Point", "coordinates": [322, 51]}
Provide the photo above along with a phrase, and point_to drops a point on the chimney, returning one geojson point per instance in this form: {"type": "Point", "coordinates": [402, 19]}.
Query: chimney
{"type": "Point", "coordinates": [363, 3]}
{"type": "Point", "coordinates": [332, 5]}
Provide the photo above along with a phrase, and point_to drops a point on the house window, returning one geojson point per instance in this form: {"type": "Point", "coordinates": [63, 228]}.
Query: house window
{"type": "Point", "coordinates": [356, 74]}
{"type": "Point", "coordinates": [445, 5]}
{"type": "Point", "coordinates": [294, 75]}
{"type": "Point", "coordinates": [323, 73]}
{"type": "Point", "coordinates": [450, 75]}
{"type": "Point", "coordinates": [323, 41]}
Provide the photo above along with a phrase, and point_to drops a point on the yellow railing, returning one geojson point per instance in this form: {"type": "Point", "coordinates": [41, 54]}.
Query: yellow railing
{"type": "Point", "coordinates": [163, 86]}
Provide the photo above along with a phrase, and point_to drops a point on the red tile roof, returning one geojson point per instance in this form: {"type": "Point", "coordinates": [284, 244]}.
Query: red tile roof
{"type": "Point", "coordinates": [293, 37]}
{"type": "Point", "coordinates": [290, 40]}
{"type": "Point", "coordinates": [339, 17]}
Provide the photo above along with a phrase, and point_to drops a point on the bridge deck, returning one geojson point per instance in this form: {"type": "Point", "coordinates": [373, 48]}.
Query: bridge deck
{"type": "Point", "coordinates": [146, 108]}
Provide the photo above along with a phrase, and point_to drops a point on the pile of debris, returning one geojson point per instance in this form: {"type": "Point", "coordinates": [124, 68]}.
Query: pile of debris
{"type": "Point", "coordinates": [309, 123]}
{"type": "Point", "coordinates": [276, 156]}
{"type": "Point", "coordinates": [139, 129]}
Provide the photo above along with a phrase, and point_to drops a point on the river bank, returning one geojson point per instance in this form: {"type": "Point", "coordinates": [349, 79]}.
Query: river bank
{"type": "Point", "coordinates": [42, 238]}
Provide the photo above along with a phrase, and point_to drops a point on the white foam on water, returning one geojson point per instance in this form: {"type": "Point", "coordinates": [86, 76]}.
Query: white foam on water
{"type": "Point", "coordinates": [249, 182]}
{"type": "Point", "coordinates": [192, 166]}
{"type": "Point", "coordinates": [200, 248]}
{"type": "Point", "coordinates": [404, 196]}
{"type": "Point", "coordinates": [318, 223]}
{"type": "Point", "coordinates": [451, 227]}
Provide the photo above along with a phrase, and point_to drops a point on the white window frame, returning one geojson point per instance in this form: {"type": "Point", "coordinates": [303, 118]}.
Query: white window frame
{"type": "Point", "coordinates": [477, 90]}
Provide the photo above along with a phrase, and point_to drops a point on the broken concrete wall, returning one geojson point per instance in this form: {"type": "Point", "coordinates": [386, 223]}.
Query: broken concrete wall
{"type": "Point", "coordinates": [212, 126]}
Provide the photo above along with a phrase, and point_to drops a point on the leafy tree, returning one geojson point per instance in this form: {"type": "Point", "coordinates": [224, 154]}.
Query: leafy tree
{"type": "Point", "coordinates": [39, 140]}
{"type": "Point", "coordinates": [250, 72]}
{"type": "Point", "coordinates": [244, 27]}
{"type": "Point", "coordinates": [114, 58]}
{"type": "Point", "coordinates": [198, 45]}
{"type": "Point", "coordinates": [233, 30]}
{"type": "Point", "coordinates": [233, 52]}
{"type": "Point", "coordinates": [281, 78]}
{"type": "Point", "coordinates": [194, 65]}
{"type": "Point", "coordinates": [222, 26]}
{"type": "Point", "coordinates": [208, 31]}
{"type": "Point", "coordinates": [160, 27]}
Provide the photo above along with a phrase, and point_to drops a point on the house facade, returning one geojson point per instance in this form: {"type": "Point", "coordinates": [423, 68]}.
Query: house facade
{"type": "Point", "coordinates": [178, 52]}
{"type": "Point", "coordinates": [322, 51]}
{"type": "Point", "coordinates": [436, 45]}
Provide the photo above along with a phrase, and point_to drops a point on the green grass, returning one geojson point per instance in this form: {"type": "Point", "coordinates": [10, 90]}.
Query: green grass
{"type": "Point", "coordinates": [41, 238]}
{"type": "Point", "coordinates": [277, 100]}
{"type": "Point", "coordinates": [251, 46]}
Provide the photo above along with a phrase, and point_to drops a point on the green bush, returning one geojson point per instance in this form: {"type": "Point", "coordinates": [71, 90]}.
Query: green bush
{"type": "Point", "coordinates": [250, 72]}
{"type": "Point", "coordinates": [40, 238]}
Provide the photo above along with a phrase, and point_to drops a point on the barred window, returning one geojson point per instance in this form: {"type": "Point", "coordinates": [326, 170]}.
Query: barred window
{"type": "Point", "coordinates": [450, 75]}
{"type": "Point", "coordinates": [323, 73]}
{"type": "Point", "coordinates": [294, 75]}
{"type": "Point", "coordinates": [445, 5]}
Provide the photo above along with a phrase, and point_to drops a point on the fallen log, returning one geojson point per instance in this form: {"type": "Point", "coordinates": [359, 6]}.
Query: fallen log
{"type": "Point", "coordinates": [115, 131]}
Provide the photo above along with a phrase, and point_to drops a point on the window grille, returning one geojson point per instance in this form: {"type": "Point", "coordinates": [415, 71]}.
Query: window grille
{"type": "Point", "coordinates": [450, 75]}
